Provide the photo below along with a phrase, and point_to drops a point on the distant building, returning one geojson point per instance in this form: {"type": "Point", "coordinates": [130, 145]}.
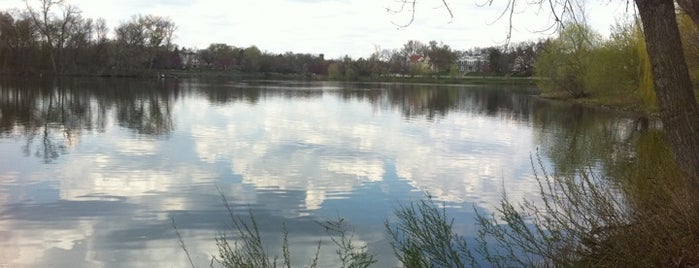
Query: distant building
{"type": "Point", "coordinates": [190, 59]}
{"type": "Point", "coordinates": [472, 64]}
{"type": "Point", "coordinates": [415, 58]}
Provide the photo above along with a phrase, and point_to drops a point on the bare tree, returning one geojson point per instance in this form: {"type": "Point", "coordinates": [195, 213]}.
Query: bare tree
{"type": "Point", "coordinates": [159, 32]}
{"type": "Point", "coordinates": [54, 29]}
{"type": "Point", "coordinates": [147, 35]}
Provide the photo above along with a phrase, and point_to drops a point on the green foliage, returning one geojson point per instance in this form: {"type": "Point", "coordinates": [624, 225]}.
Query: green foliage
{"type": "Point", "coordinates": [643, 215]}
{"type": "Point", "coordinates": [454, 71]}
{"type": "Point", "coordinates": [350, 255]}
{"type": "Point", "coordinates": [614, 64]}
{"type": "Point", "coordinates": [423, 237]}
{"type": "Point", "coordinates": [345, 70]}
{"type": "Point", "coordinates": [335, 71]}
{"type": "Point", "coordinates": [419, 69]}
{"type": "Point", "coordinates": [249, 251]}
{"type": "Point", "coordinates": [351, 73]}
{"type": "Point", "coordinates": [581, 64]}
{"type": "Point", "coordinates": [565, 64]}
{"type": "Point", "coordinates": [646, 88]}
{"type": "Point", "coordinates": [563, 227]}
{"type": "Point", "coordinates": [251, 58]}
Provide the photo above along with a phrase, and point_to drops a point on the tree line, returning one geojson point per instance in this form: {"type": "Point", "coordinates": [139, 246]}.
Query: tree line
{"type": "Point", "coordinates": [50, 36]}
{"type": "Point", "coordinates": [435, 59]}
{"type": "Point", "coordinates": [56, 38]}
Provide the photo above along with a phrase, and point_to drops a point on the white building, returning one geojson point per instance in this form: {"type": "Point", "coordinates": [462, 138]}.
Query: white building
{"type": "Point", "coordinates": [471, 64]}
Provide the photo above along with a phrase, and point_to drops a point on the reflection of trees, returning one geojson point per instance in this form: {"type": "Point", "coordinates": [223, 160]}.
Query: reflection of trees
{"type": "Point", "coordinates": [51, 115]}
{"type": "Point", "coordinates": [222, 93]}
{"type": "Point", "coordinates": [412, 100]}
{"type": "Point", "coordinates": [650, 157]}
{"type": "Point", "coordinates": [431, 100]}
{"type": "Point", "coordinates": [150, 115]}
{"type": "Point", "coordinates": [419, 101]}
{"type": "Point", "coordinates": [575, 137]}
{"type": "Point", "coordinates": [46, 115]}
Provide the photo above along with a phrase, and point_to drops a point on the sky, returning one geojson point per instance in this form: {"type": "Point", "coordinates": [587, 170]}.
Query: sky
{"type": "Point", "coordinates": [337, 27]}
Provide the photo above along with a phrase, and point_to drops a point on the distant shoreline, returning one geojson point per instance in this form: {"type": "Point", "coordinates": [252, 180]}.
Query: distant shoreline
{"type": "Point", "coordinates": [170, 74]}
{"type": "Point", "coordinates": [626, 106]}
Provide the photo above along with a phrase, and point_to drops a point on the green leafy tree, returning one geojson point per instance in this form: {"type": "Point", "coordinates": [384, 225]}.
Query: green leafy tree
{"type": "Point", "coordinates": [251, 59]}
{"type": "Point", "coordinates": [565, 63]}
{"type": "Point", "coordinates": [454, 71]}
{"type": "Point", "coordinates": [335, 71]}
{"type": "Point", "coordinates": [351, 73]}
{"type": "Point", "coordinates": [614, 64]}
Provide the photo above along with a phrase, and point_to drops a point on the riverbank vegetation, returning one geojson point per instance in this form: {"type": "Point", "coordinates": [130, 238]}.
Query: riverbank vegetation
{"type": "Point", "coordinates": [645, 217]}
{"type": "Point", "coordinates": [640, 214]}
{"type": "Point", "coordinates": [578, 64]}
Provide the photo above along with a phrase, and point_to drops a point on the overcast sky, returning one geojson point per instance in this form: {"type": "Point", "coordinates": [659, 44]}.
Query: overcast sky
{"type": "Point", "coordinates": [334, 27]}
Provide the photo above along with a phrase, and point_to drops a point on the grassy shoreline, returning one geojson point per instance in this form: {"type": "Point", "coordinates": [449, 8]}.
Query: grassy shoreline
{"type": "Point", "coordinates": [625, 104]}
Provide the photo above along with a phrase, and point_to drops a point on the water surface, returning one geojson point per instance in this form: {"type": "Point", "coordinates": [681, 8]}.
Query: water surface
{"type": "Point", "coordinates": [92, 172]}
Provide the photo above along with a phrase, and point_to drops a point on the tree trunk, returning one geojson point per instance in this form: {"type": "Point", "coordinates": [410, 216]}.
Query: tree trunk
{"type": "Point", "coordinates": [691, 7]}
{"type": "Point", "coordinates": [673, 87]}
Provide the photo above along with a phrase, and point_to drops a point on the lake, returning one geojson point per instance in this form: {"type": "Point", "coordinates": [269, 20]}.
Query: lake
{"type": "Point", "coordinates": [93, 172]}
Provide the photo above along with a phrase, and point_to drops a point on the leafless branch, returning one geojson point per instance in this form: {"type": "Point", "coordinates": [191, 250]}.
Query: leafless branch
{"type": "Point", "coordinates": [402, 8]}
{"type": "Point", "coordinates": [451, 14]}
{"type": "Point", "coordinates": [560, 10]}
{"type": "Point", "coordinates": [181, 242]}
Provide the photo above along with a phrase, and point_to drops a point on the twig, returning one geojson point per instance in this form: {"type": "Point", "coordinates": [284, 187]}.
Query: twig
{"type": "Point", "coordinates": [181, 242]}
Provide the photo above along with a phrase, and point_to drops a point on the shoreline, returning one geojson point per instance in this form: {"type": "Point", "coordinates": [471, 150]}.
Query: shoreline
{"type": "Point", "coordinates": [467, 79]}
{"type": "Point", "coordinates": [623, 104]}
{"type": "Point", "coordinates": [629, 104]}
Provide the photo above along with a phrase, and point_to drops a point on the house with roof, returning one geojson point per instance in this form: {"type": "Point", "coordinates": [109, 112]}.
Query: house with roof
{"type": "Point", "coordinates": [190, 59]}
{"type": "Point", "coordinates": [472, 64]}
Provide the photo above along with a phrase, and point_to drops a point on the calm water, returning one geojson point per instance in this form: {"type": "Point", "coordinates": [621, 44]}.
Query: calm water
{"type": "Point", "coordinates": [92, 172]}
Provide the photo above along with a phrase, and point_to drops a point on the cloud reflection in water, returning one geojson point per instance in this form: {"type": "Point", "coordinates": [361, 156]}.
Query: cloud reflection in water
{"type": "Point", "coordinates": [291, 153]}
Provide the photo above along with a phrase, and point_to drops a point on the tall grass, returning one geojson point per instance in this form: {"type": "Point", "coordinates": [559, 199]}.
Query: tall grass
{"type": "Point", "coordinates": [349, 254]}
{"type": "Point", "coordinates": [568, 224]}
{"type": "Point", "coordinates": [243, 246]}
{"type": "Point", "coordinates": [648, 217]}
{"type": "Point", "coordinates": [581, 220]}
{"type": "Point", "coordinates": [423, 237]}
